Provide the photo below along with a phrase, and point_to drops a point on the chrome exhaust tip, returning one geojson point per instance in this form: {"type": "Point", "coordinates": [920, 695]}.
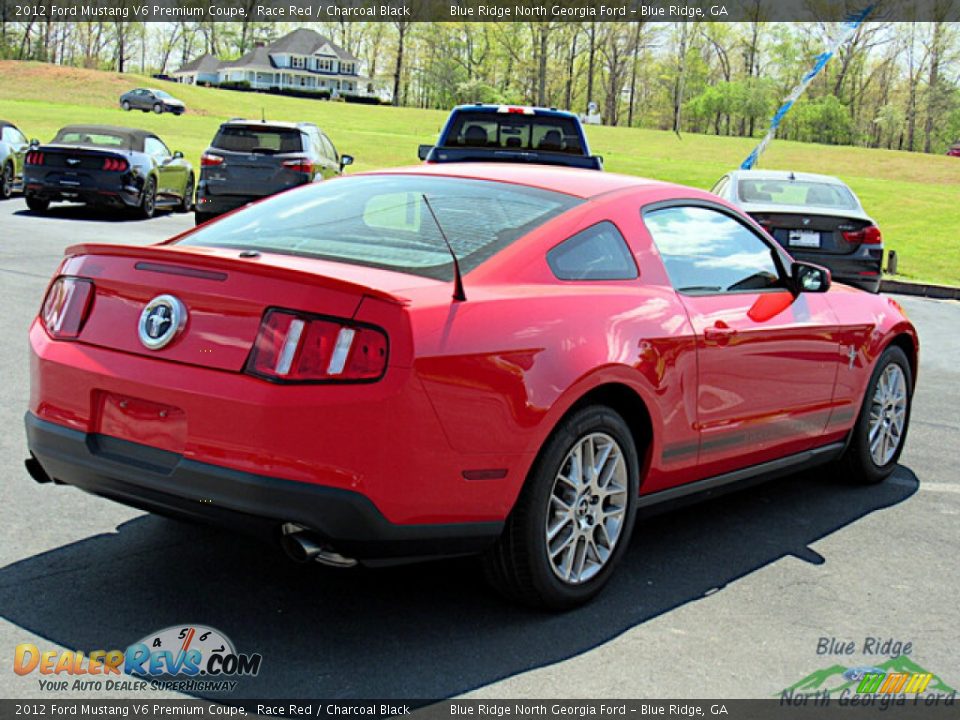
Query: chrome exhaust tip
{"type": "Point", "coordinates": [303, 546]}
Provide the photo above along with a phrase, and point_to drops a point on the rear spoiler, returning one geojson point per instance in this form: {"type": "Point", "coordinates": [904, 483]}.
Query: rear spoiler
{"type": "Point", "coordinates": [432, 153]}
{"type": "Point", "coordinates": [201, 257]}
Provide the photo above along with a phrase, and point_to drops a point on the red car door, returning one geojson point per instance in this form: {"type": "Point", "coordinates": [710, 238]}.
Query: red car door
{"type": "Point", "coordinates": [767, 359]}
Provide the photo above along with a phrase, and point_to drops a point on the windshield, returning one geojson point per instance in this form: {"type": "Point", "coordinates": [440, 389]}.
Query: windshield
{"type": "Point", "coordinates": [514, 131]}
{"type": "Point", "coordinates": [796, 192]}
{"type": "Point", "coordinates": [258, 139]}
{"type": "Point", "coordinates": [382, 221]}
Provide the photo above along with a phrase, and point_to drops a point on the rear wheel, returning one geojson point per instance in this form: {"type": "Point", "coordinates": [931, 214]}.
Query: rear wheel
{"type": "Point", "coordinates": [574, 517]}
{"type": "Point", "coordinates": [37, 205]}
{"type": "Point", "coordinates": [881, 428]}
{"type": "Point", "coordinates": [148, 199]}
{"type": "Point", "coordinates": [6, 182]}
{"type": "Point", "coordinates": [186, 201]}
{"type": "Point", "coordinates": [200, 218]}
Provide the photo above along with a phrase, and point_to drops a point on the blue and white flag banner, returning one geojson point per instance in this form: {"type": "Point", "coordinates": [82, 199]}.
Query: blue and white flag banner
{"type": "Point", "coordinates": [850, 26]}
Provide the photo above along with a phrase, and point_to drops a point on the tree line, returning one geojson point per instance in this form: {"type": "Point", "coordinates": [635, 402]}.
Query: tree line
{"type": "Point", "coordinates": [894, 85]}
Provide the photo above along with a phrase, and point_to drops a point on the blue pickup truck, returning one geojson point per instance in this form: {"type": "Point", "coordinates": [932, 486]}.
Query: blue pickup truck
{"type": "Point", "coordinates": [507, 133]}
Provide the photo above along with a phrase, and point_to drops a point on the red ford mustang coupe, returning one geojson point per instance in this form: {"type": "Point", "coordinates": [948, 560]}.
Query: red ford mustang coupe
{"type": "Point", "coordinates": [443, 360]}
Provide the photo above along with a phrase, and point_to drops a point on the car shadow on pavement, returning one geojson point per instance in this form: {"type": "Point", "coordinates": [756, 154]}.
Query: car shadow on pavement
{"type": "Point", "coordinates": [89, 214]}
{"type": "Point", "coordinates": [431, 630]}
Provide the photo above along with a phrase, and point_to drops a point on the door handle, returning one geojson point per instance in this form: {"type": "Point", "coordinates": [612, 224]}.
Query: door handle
{"type": "Point", "coordinates": [719, 334]}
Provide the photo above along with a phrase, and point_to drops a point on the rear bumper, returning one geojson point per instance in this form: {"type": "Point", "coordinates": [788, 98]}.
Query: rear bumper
{"type": "Point", "coordinates": [118, 197]}
{"type": "Point", "coordinates": [167, 483]}
{"type": "Point", "coordinates": [861, 268]}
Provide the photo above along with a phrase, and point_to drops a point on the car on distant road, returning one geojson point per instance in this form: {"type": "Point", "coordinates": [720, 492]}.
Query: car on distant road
{"type": "Point", "coordinates": [251, 159]}
{"type": "Point", "coordinates": [954, 150]}
{"type": "Point", "coordinates": [13, 150]}
{"type": "Point", "coordinates": [817, 218]}
{"type": "Point", "coordinates": [110, 167]}
{"type": "Point", "coordinates": [442, 360]}
{"type": "Point", "coordinates": [150, 99]}
{"type": "Point", "coordinates": [509, 133]}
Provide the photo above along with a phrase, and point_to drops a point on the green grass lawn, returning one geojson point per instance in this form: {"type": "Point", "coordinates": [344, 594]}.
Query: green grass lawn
{"type": "Point", "coordinates": [914, 198]}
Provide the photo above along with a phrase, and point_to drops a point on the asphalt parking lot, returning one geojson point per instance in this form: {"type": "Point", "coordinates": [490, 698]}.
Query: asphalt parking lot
{"type": "Point", "coordinates": [725, 599]}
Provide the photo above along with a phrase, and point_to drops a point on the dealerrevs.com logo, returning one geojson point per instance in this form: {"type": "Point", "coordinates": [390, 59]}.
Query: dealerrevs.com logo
{"type": "Point", "coordinates": [181, 657]}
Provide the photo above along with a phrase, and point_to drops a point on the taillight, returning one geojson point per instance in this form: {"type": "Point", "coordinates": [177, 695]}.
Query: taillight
{"type": "Point", "coordinates": [115, 164]}
{"type": "Point", "coordinates": [293, 347]}
{"type": "Point", "coordinates": [66, 307]}
{"type": "Point", "coordinates": [299, 165]}
{"type": "Point", "coordinates": [869, 235]}
{"type": "Point", "coordinates": [34, 158]}
{"type": "Point", "coordinates": [210, 160]}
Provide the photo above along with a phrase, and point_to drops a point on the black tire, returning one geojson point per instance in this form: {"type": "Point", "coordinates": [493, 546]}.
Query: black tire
{"type": "Point", "coordinates": [858, 463]}
{"type": "Point", "coordinates": [6, 182]}
{"type": "Point", "coordinates": [37, 205]}
{"type": "Point", "coordinates": [125, 105]}
{"type": "Point", "coordinates": [148, 199]}
{"type": "Point", "coordinates": [158, 108]}
{"type": "Point", "coordinates": [520, 564]}
{"type": "Point", "coordinates": [186, 200]}
{"type": "Point", "coordinates": [200, 218]}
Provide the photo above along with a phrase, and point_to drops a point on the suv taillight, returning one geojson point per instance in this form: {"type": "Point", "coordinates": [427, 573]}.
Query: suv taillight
{"type": "Point", "coordinates": [299, 165]}
{"type": "Point", "coordinates": [210, 159]}
{"type": "Point", "coordinates": [869, 235]}
{"type": "Point", "coordinates": [66, 306]}
{"type": "Point", "coordinates": [111, 164]}
{"type": "Point", "coordinates": [34, 158]}
{"type": "Point", "coordinates": [295, 347]}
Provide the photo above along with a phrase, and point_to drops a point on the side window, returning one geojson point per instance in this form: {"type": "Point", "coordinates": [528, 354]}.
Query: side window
{"type": "Point", "coordinates": [721, 186]}
{"type": "Point", "coordinates": [330, 149]}
{"type": "Point", "coordinates": [707, 251]}
{"type": "Point", "coordinates": [597, 253]}
{"type": "Point", "coordinates": [11, 135]}
{"type": "Point", "coordinates": [155, 147]}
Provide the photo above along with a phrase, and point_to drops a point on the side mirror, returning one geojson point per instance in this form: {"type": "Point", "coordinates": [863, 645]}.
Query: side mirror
{"type": "Point", "coordinates": [34, 142]}
{"type": "Point", "coordinates": [345, 160]}
{"type": "Point", "coordinates": [178, 155]}
{"type": "Point", "coordinates": [808, 277]}
{"type": "Point", "coordinates": [424, 151]}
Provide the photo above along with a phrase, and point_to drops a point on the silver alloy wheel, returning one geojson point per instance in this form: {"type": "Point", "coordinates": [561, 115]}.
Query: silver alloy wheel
{"type": "Point", "coordinates": [7, 182]}
{"type": "Point", "coordinates": [888, 414]}
{"type": "Point", "coordinates": [588, 505]}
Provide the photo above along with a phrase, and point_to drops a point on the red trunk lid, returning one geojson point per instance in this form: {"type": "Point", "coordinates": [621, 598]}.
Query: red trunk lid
{"type": "Point", "coordinates": [225, 296]}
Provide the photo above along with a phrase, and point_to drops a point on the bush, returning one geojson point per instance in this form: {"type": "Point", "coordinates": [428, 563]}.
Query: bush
{"type": "Point", "coordinates": [362, 99]}
{"type": "Point", "coordinates": [234, 85]}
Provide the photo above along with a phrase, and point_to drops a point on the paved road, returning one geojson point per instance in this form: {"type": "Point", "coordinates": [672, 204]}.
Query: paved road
{"type": "Point", "coordinates": [725, 599]}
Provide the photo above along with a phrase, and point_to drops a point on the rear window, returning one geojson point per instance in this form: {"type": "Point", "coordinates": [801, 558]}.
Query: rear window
{"type": "Point", "coordinates": [796, 192]}
{"type": "Point", "coordinates": [513, 131]}
{"type": "Point", "coordinates": [256, 139]}
{"type": "Point", "coordinates": [382, 221]}
{"type": "Point", "coordinates": [91, 139]}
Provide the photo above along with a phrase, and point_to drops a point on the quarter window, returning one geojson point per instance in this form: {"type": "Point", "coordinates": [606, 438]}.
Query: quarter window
{"type": "Point", "coordinates": [597, 253]}
{"type": "Point", "coordinates": [706, 251]}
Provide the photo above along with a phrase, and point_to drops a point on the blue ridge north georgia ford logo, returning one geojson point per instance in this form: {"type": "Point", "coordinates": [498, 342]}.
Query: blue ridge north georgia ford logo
{"type": "Point", "coordinates": [161, 320]}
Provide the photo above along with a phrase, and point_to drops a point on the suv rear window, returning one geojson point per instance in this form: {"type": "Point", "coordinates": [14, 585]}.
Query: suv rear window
{"type": "Point", "coordinates": [257, 139]}
{"type": "Point", "coordinates": [513, 131]}
{"type": "Point", "coordinates": [382, 221]}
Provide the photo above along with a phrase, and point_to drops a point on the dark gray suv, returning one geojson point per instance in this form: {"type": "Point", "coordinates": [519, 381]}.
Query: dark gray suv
{"type": "Point", "coordinates": [250, 159]}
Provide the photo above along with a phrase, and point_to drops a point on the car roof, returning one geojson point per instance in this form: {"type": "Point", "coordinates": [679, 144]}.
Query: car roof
{"type": "Point", "coordinates": [268, 123]}
{"type": "Point", "coordinates": [6, 123]}
{"type": "Point", "coordinates": [785, 175]}
{"type": "Point", "coordinates": [125, 132]}
{"type": "Point", "coordinates": [527, 109]}
{"type": "Point", "coordinates": [577, 182]}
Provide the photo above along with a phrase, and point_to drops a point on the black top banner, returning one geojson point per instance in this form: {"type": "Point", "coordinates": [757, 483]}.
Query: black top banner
{"type": "Point", "coordinates": [479, 10]}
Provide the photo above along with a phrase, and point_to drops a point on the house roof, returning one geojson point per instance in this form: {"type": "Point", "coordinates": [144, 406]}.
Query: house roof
{"type": "Point", "coordinates": [259, 57]}
{"type": "Point", "coordinates": [205, 63]}
{"type": "Point", "coordinates": [306, 42]}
